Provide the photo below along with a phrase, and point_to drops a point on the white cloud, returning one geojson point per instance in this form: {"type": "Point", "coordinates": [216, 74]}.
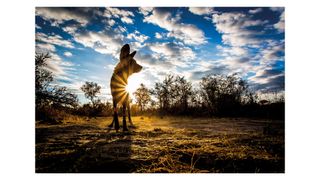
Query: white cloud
{"type": "Point", "coordinates": [54, 39]}
{"type": "Point", "coordinates": [111, 22]}
{"type": "Point", "coordinates": [137, 36]}
{"type": "Point", "coordinates": [127, 20]}
{"type": "Point", "coordinates": [172, 49]}
{"type": "Point", "coordinates": [268, 79]}
{"type": "Point", "coordinates": [45, 47]}
{"type": "Point", "coordinates": [205, 67]}
{"type": "Point", "coordinates": [54, 64]}
{"type": "Point", "coordinates": [67, 54]}
{"type": "Point", "coordinates": [137, 45]}
{"type": "Point", "coordinates": [60, 69]}
{"type": "Point", "coordinates": [118, 12]}
{"type": "Point", "coordinates": [187, 33]}
{"type": "Point", "coordinates": [103, 42]}
{"type": "Point", "coordinates": [277, 9]}
{"type": "Point", "coordinates": [163, 59]}
{"type": "Point", "coordinates": [158, 35]}
{"type": "Point", "coordinates": [162, 49]}
{"type": "Point", "coordinates": [153, 61]}
{"type": "Point", "coordinates": [38, 27]}
{"type": "Point", "coordinates": [232, 50]}
{"type": "Point", "coordinates": [272, 53]}
{"type": "Point", "coordinates": [255, 11]}
{"type": "Point", "coordinates": [74, 86]}
{"type": "Point", "coordinates": [123, 15]}
{"type": "Point", "coordinates": [71, 29]}
{"type": "Point", "coordinates": [145, 10]}
{"type": "Point", "coordinates": [234, 28]}
{"type": "Point", "coordinates": [262, 63]}
{"type": "Point", "coordinates": [244, 51]}
{"type": "Point", "coordinates": [201, 10]}
{"type": "Point", "coordinates": [59, 15]}
{"type": "Point", "coordinates": [121, 29]}
{"type": "Point", "coordinates": [241, 65]}
{"type": "Point", "coordinates": [174, 53]}
{"type": "Point", "coordinates": [280, 24]}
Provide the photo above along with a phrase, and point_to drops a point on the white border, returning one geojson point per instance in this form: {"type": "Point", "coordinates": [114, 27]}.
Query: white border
{"type": "Point", "coordinates": [17, 88]}
{"type": "Point", "coordinates": [159, 3]}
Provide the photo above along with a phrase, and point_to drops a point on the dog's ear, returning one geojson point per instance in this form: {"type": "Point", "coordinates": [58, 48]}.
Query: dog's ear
{"type": "Point", "coordinates": [133, 53]}
{"type": "Point", "coordinates": [124, 52]}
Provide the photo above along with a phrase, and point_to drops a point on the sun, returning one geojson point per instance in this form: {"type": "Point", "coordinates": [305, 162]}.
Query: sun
{"type": "Point", "coordinates": [134, 82]}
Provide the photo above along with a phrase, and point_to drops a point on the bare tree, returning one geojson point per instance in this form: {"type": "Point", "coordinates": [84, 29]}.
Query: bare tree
{"type": "Point", "coordinates": [43, 78]}
{"type": "Point", "coordinates": [142, 96]}
{"type": "Point", "coordinates": [164, 92]}
{"type": "Point", "coordinates": [91, 89]}
{"type": "Point", "coordinates": [182, 91]}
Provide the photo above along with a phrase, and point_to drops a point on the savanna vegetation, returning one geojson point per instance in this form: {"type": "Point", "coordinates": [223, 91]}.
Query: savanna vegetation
{"type": "Point", "coordinates": [219, 126]}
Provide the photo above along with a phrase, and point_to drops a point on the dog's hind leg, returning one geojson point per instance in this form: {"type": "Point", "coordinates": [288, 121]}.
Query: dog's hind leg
{"type": "Point", "coordinates": [115, 119]}
{"type": "Point", "coordinates": [129, 115]}
{"type": "Point", "coordinates": [124, 123]}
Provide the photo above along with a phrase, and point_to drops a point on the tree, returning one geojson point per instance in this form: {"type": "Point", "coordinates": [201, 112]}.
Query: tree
{"type": "Point", "coordinates": [91, 89]}
{"type": "Point", "coordinates": [61, 96]}
{"type": "Point", "coordinates": [173, 94]}
{"type": "Point", "coordinates": [223, 94]}
{"type": "Point", "coordinates": [142, 96]}
{"type": "Point", "coordinates": [46, 94]}
{"type": "Point", "coordinates": [49, 98]}
{"type": "Point", "coordinates": [196, 98]}
{"type": "Point", "coordinates": [182, 92]}
{"type": "Point", "coordinates": [157, 92]}
{"type": "Point", "coordinates": [43, 78]}
{"type": "Point", "coordinates": [164, 92]}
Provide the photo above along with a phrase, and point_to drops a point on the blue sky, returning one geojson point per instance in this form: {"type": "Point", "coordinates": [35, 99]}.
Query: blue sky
{"type": "Point", "coordinates": [85, 42]}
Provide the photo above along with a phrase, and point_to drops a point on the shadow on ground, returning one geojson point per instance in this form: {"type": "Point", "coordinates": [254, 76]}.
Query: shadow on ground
{"type": "Point", "coordinates": [82, 148]}
{"type": "Point", "coordinates": [167, 145]}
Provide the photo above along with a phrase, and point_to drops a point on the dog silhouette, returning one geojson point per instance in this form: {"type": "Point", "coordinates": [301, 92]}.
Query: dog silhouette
{"type": "Point", "coordinates": [119, 80]}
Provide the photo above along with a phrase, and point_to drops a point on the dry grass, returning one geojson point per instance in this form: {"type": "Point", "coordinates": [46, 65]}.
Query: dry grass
{"type": "Point", "coordinates": [168, 144]}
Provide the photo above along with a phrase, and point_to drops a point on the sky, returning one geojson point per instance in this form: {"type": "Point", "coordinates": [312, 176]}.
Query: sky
{"type": "Point", "coordinates": [84, 44]}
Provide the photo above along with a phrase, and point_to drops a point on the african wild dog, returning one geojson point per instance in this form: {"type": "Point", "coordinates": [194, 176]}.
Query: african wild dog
{"type": "Point", "coordinates": [119, 80]}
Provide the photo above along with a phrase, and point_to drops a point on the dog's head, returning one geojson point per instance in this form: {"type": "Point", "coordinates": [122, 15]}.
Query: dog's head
{"type": "Point", "coordinates": [127, 58]}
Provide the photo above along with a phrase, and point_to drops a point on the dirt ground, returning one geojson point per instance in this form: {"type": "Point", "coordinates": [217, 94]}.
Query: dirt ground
{"type": "Point", "coordinates": [161, 144]}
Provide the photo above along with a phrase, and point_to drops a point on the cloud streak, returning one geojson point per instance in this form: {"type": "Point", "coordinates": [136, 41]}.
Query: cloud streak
{"type": "Point", "coordinates": [123, 15]}
{"type": "Point", "coordinates": [201, 10]}
{"type": "Point", "coordinates": [54, 40]}
{"type": "Point", "coordinates": [187, 33]}
{"type": "Point", "coordinates": [105, 42]}
{"type": "Point", "coordinates": [60, 15]}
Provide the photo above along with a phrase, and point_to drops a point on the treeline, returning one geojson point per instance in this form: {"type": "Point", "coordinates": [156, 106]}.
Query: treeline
{"type": "Point", "coordinates": [216, 95]}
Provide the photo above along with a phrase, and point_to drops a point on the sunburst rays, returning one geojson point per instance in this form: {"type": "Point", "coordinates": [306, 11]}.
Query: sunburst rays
{"type": "Point", "coordinates": [118, 86]}
{"type": "Point", "coordinates": [119, 80]}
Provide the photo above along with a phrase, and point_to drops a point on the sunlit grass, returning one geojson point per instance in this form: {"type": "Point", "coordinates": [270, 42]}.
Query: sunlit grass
{"type": "Point", "coordinates": [167, 144]}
